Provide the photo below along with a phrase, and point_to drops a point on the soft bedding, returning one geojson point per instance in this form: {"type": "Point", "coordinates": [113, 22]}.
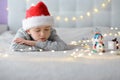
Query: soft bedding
{"type": "Point", "coordinates": [60, 65]}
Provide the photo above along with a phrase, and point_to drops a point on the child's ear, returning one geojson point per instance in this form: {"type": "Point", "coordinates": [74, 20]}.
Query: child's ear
{"type": "Point", "coordinates": [28, 31]}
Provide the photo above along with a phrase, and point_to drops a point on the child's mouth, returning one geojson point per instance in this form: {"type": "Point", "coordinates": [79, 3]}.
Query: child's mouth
{"type": "Point", "coordinates": [43, 39]}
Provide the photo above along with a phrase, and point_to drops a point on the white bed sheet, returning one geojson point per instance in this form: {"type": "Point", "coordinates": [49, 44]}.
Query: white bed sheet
{"type": "Point", "coordinates": [57, 65]}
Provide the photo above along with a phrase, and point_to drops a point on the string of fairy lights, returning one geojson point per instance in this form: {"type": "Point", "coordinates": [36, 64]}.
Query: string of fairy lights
{"type": "Point", "coordinates": [87, 14]}
{"type": "Point", "coordinates": [95, 10]}
{"type": "Point", "coordinates": [81, 17]}
{"type": "Point", "coordinates": [84, 48]}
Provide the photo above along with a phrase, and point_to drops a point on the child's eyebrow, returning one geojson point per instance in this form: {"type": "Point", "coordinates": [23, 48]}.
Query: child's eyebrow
{"type": "Point", "coordinates": [37, 28]}
{"type": "Point", "coordinates": [47, 27]}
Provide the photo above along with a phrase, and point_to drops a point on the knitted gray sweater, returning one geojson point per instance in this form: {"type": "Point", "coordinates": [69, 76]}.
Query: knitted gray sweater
{"type": "Point", "coordinates": [53, 42]}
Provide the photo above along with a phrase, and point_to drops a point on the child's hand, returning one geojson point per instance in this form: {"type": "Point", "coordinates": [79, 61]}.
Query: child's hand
{"type": "Point", "coordinates": [26, 42]}
{"type": "Point", "coordinates": [19, 40]}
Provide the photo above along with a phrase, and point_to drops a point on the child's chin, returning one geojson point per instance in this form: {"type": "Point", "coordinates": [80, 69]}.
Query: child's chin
{"type": "Point", "coordinates": [43, 41]}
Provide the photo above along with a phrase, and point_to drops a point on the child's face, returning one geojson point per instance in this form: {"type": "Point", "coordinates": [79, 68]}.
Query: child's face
{"type": "Point", "coordinates": [40, 33]}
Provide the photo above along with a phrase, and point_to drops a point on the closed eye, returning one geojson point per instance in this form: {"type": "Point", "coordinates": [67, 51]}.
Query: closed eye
{"type": "Point", "coordinates": [47, 29]}
{"type": "Point", "coordinates": [37, 31]}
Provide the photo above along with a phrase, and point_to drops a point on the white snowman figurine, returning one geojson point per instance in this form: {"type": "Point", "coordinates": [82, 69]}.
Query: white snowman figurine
{"type": "Point", "coordinates": [98, 45]}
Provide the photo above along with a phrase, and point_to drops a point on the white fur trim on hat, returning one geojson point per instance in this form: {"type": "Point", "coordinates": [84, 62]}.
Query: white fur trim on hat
{"type": "Point", "coordinates": [37, 21]}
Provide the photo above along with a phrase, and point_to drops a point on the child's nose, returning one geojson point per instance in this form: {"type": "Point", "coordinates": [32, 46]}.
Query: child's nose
{"type": "Point", "coordinates": [42, 33]}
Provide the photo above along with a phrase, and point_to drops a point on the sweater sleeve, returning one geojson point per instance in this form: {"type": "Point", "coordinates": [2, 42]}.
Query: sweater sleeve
{"type": "Point", "coordinates": [53, 43]}
{"type": "Point", "coordinates": [15, 46]}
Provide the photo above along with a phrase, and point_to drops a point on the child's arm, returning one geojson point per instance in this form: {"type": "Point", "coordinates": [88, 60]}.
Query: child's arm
{"type": "Point", "coordinates": [54, 44]}
{"type": "Point", "coordinates": [17, 42]}
{"type": "Point", "coordinates": [26, 42]}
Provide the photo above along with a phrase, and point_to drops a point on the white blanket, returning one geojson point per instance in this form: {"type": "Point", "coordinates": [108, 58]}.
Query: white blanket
{"type": "Point", "coordinates": [58, 65]}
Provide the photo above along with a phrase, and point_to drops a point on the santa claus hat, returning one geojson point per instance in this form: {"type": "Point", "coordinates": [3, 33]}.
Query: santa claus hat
{"type": "Point", "coordinates": [37, 15]}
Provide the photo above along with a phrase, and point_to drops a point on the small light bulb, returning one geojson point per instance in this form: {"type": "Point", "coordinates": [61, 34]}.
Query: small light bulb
{"type": "Point", "coordinates": [73, 43]}
{"type": "Point", "coordinates": [88, 14]}
{"type": "Point", "coordinates": [84, 41]}
{"type": "Point", "coordinates": [111, 28]}
{"type": "Point", "coordinates": [79, 41]}
{"type": "Point", "coordinates": [117, 44]}
{"type": "Point", "coordinates": [96, 10]}
{"type": "Point", "coordinates": [100, 53]}
{"type": "Point", "coordinates": [115, 34]}
{"type": "Point", "coordinates": [118, 33]}
{"type": "Point", "coordinates": [103, 5]}
{"type": "Point", "coordinates": [109, 0]}
{"type": "Point", "coordinates": [111, 52]}
{"type": "Point", "coordinates": [30, 48]}
{"type": "Point", "coordinates": [82, 44]}
{"type": "Point", "coordinates": [74, 18]}
{"type": "Point", "coordinates": [5, 55]}
{"type": "Point", "coordinates": [105, 35]}
{"type": "Point", "coordinates": [58, 18]}
{"type": "Point", "coordinates": [88, 40]}
{"type": "Point", "coordinates": [66, 19]}
{"type": "Point", "coordinates": [89, 54]}
{"type": "Point", "coordinates": [81, 17]}
{"type": "Point", "coordinates": [65, 52]}
{"type": "Point", "coordinates": [32, 4]}
{"type": "Point", "coordinates": [110, 34]}
{"type": "Point", "coordinates": [73, 54]}
{"type": "Point", "coordinates": [21, 49]}
{"type": "Point", "coordinates": [116, 28]}
{"type": "Point", "coordinates": [52, 50]}
{"type": "Point", "coordinates": [77, 49]}
{"type": "Point", "coordinates": [40, 50]}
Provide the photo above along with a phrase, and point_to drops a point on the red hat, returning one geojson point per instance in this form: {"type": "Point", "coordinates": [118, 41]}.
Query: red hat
{"type": "Point", "coordinates": [37, 15]}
